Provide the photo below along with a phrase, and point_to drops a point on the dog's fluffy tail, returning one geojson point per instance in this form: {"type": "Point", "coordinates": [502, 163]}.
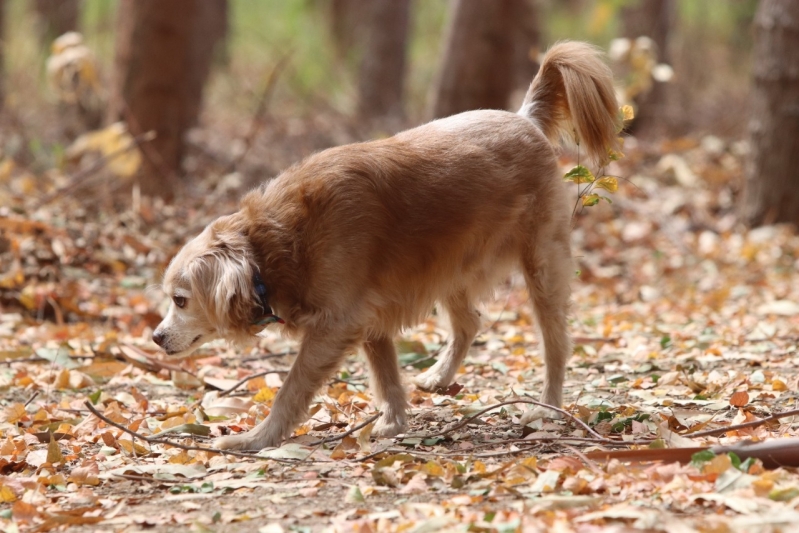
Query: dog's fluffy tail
{"type": "Point", "coordinates": [572, 96]}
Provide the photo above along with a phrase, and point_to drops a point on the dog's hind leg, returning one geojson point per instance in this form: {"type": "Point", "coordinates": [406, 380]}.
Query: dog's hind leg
{"type": "Point", "coordinates": [320, 356]}
{"type": "Point", "coordinates": [386, 385]}
{"type": "Point", "coordinates": [465, 322]}
{"type": "Point", "coordinates": [548, 269]}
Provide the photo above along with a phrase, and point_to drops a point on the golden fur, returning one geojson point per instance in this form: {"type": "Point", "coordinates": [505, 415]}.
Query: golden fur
{"type": "Point", "coordinates": [357, 242]}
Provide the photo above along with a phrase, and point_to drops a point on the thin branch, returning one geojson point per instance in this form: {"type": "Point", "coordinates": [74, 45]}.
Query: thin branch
{"type": "Point", "coordinates": [35, 394]}
{"type": "Point", "coordinates": [249, 378]}
{"type": "Point", "coordinates": [745, 425]}
{"type": "Point", "coordinates": [598, 437]}
{"type": "Point", "coordinates": [348, 432]}
{"type": "Point", "coordinates": [155, 440]}
{"type": "Point", "coordinates": [268, 356]}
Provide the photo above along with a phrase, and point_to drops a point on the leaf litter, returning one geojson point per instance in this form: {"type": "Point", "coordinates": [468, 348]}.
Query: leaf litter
{"type": "Point", "coordinates": [685, 328]}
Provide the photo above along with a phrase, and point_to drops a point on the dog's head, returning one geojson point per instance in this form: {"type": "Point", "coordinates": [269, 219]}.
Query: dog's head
{"type": "Point", "coordinates": [214, 286]}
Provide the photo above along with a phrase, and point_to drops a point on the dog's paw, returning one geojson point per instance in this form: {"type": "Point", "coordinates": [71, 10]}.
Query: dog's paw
{"type": "Point", "coordinates": [389, 426]}
{"type": "Point", "coordinates": [539, 413]}
{"type": "Point", "coordinates": [430, 381]}
{"type": "Point", "coordinates": [243, 441]}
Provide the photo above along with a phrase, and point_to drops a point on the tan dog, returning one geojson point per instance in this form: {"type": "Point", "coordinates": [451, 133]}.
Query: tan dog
{"type": "Point", "coordinates": [357, 242]}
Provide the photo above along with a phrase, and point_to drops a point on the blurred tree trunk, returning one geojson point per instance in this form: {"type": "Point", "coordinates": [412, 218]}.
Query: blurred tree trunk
{"type": "Point", "coordinates": [772, 183]}
{"type": "Point", "coordinates": [163, 58]}
{"type": "Point", "coordinates": [382, 74]}
{"type": "Point", "coordinates": [477, 64]}
{"type": "Point", "coordinates": [348, 23]}
{"type": "Point", "coordinates": [56, 17]}
{"type": "Point", "coordinates": [653, 19]}
{"type": "Point", "coordinates": [2, 52]}
{"type": "Point", "coordinates": [526, 44]}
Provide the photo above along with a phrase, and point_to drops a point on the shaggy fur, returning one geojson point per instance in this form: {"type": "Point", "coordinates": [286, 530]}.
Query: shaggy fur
{"type": "Point", "coordinates": [357, 242]}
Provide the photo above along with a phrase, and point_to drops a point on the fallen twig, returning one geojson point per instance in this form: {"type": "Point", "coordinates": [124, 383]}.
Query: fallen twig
{"type": "Point", "coordinates": [347, 433]}
{"type": "Point", "coordinates": [268, 356]}
{"type": "Point", "coordinates": [745, 425]}
{"type": "Point", "coordinates": [599, 438]}
{"type": "Point", "coordinates": [249, 378]}
{"type": "Point", "coordinates": [33, 397]}
{"type": "Point", "coordinates": [187, 447]}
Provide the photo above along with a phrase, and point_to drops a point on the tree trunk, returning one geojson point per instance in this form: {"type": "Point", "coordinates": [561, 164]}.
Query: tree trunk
{"type": "Point", "coordinates": [348, 26]}
{"type": "Point", "coordinates": [526, 44]}
{"type": "Point", "coordinates": [2, 51]}
{"type": "Point", "coordinates": [477, 65]}
{"type": "Point", "coordinates": [56, 17]}
{"type": "Point", "coordinates": [653, 19]}
{"type": "Point", "coordinates": [382, 74]}
{"type": "Point", "coordinates": [772, 184]}
{"type": "Point", "coordinates": [163, 57]}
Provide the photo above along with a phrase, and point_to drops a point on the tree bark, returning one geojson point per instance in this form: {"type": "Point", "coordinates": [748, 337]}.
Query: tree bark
{"type": "Point", "coordinates": [348, 26]}
{"type": "Point", "coordinates": [477, 64]}
{"type": "Point", "coordinates": [772, 183]}
{"type": "Point", "coordinates": [163, 58]}
{"type": "Point", "coordinates": [526, 44]}
{"type": "Point", "coordinates": [653, 19]}
{"type": "Point", "coordinates": [2, 52]}
{"type": "Point", "coordinates": [382, 73]}
{"type": "Point", "coordinates": [56, 17]}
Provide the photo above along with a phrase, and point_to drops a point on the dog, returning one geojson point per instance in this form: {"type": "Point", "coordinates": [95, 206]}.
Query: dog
{"type": "Point", "coordinates": [357, 242]}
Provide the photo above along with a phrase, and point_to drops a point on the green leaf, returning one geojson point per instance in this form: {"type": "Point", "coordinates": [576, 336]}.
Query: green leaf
{"type": "Point", "coordinates": [699, 458]}
{"type": "Point", "coordinates": [734, 460]}
{"type": "Point", "coordinates": [609, 183]}
{"type": "Point", "coordinates": [579, 174]}
{"type": "Point", "coordinates": [95, 396]}
{"type": "Point", "coordinates": [783, 495]}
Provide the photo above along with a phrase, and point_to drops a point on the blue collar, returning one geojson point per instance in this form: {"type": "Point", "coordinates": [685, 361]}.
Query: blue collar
{"type": "Point", "coordinates": [264, 315]}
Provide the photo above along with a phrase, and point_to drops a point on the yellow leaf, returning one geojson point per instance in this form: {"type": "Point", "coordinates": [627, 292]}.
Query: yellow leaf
{"type": "Point", "coordinates": [479, 467]}
{"type": "Point", "coordinates": [627, 112]}
{"type": "Point", "coordinates": [717, 465]}
{"type": "Point", "coordinates": [132, 448]}
{"type": "Point", "coordinates": [54, 452]}
{"type": "Point", "coordinates": [13, 413]}
{"type": "Point", "coordinates": [113, 142]}
{"type": "Point", "coordinates": [7, 495]}
{"type": "Point", "coordinates": [265, 395]}
{"type": "Point", "coordinates": [609, 183]}
{"type": "Point", "coordinates": [590, 199]}
{"type": "Point", "coordinates": [432, 468]}
{"type": "Point", "coordinates": [171, 422]}
{"type": "Point", "coordinates": [778, 385]}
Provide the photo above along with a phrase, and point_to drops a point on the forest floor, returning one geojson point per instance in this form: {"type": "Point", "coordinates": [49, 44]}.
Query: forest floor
{"type": "Point", "coordinates": [686, 326]}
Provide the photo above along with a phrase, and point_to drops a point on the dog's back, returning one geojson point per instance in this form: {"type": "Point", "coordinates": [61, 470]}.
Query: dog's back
{"type": "Point", "coordinates": [359, 241]}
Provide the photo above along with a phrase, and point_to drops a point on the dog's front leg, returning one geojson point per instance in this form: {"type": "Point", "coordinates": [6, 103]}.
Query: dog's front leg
{"type": "Point", "coordinates": [319, 357]}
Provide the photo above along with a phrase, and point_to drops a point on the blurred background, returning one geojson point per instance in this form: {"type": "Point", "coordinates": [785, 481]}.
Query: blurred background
{"type": "Point", "coordinates": [252, 86]}
{"type": "Point", "coordinates": [127, 125]}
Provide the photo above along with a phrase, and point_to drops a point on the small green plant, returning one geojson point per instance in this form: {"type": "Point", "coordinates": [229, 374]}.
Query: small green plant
{"type": "Point", "coordinates": [581, 175]}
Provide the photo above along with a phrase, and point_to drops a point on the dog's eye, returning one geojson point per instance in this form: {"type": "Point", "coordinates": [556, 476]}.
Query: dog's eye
{"type": "Point", "coordinates": [180, 301]}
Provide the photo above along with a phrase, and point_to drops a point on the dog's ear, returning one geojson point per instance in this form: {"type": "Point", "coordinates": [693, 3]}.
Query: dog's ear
{"type": "Point", "coordinates": [222, 281]}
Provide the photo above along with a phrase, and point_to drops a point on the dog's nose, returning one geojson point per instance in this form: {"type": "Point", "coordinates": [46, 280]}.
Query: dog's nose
{"type": "Point", "coordinates": [158, 338]}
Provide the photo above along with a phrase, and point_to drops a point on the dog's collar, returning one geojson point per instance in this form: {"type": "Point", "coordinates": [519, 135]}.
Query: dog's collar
{"type": "Point", "coordinates": [263, 314]}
